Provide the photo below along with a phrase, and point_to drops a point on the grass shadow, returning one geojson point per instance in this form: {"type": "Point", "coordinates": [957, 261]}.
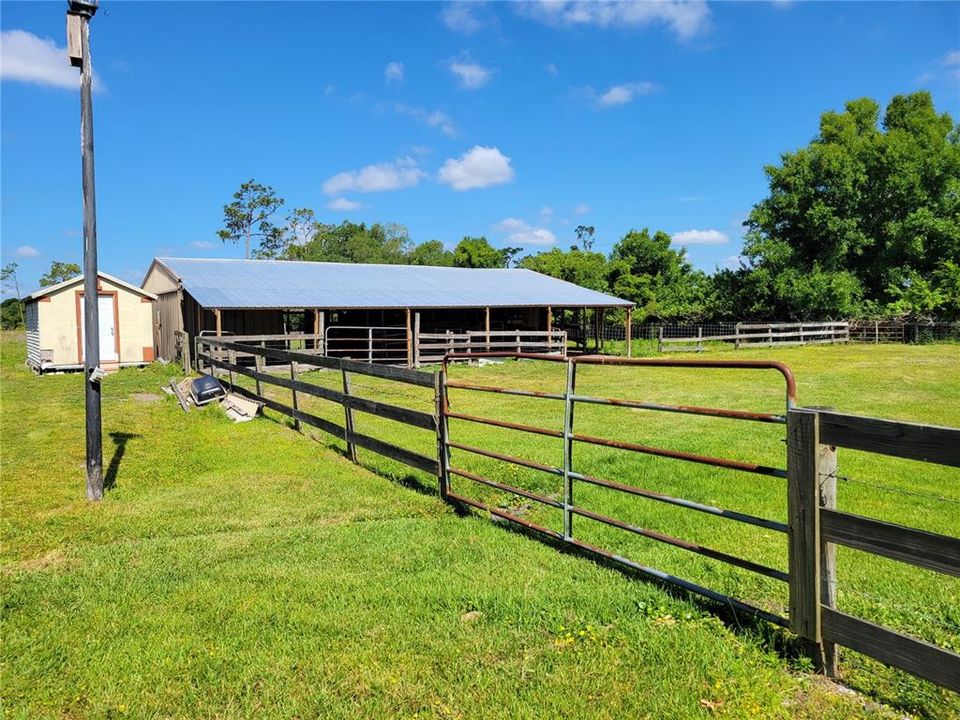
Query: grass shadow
{"type": "Point", "coordinates": [120, 440]}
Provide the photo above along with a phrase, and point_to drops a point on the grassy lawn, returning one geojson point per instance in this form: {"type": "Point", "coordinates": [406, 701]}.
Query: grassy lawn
{"type": "Point", "coordinates": [241, 570]}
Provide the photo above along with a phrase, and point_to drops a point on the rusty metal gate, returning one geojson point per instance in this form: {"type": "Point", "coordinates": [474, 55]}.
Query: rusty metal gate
{"type": "Point", "coordinates": [568, 506]}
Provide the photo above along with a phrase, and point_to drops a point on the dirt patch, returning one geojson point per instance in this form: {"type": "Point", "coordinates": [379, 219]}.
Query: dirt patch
{"type": "Point", "coordinates": [51, 559]}
{"type": "Point", "coordinates": [145, 397]}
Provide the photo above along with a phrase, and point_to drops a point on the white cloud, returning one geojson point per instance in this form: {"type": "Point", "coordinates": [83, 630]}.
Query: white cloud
{"type": "Point", "coordinates": [25, 57]}
{"type": "Point", "coordinates": [546, 215]}
{"type": "Point", "coordinates": [465, 17]}
{"type": "Point", "coordinates": [470, 75]}
{"type": "Point", "coordinates": [521, 232]}
{"type": "Point", "coordinates": [551, 69]}
{"type": "Point", "coordinates": [951, 58]}
{"type": "Point", "coordinates": [376, 178]}
{"type": "Point", "coordinates": [511, 224]}
{"type": "Point", "coordinates": [533, 236]}
{"type": "Point", "coordinates": [393, 72]}
{"type": "Point", "coordinates": [433, 118]}
{"type": "Point", "coordinates": [203, 244]}
{"type": "Point", "coordinates": [342, 203]}
{"type": "Point", "coordinates": [581, 209]}
{"type": "Point", "coordinates": [479, 167]}
{"type": "Point", "coordinates": [26, 251]}
{"type": "Point", "coordinates": [684, 19]}
{"type": "Point", "coordinates": [734, 262]}
{"type": "Point", "coordinates": [625, 93]}
{"type": "Point", "coordinates": [700, 237]}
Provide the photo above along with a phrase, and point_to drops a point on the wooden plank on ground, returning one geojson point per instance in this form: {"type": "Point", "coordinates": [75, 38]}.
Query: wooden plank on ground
{"type": "Point", "coordinates": [917, 547]}
{"type": "Point", "coordinates": [928, 443]}
{"type": "Point", "coordinates": [888, 646]}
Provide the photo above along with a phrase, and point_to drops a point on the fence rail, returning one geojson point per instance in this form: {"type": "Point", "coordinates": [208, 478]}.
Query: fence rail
{"type": "Point", "coordinates": [760, 335]}
{"type": "Point", "coordinates": [432, 347]}
{"type": "Point", "coordinates": [210, 351]}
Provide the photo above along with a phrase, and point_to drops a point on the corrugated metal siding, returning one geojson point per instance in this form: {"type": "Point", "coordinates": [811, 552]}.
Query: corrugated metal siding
{"type": "Point", "coordinates": [32, 320]}
{"type": "Point", "coordinates": [217, 283]}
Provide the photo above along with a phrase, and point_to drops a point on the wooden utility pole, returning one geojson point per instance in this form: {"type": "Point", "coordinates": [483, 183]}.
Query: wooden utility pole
{"type": "Point", "coordinates": [78, 50]}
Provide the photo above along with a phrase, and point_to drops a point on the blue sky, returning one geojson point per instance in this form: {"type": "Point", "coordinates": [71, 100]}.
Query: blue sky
{"type": "Point", "coordinates": [517, 122]}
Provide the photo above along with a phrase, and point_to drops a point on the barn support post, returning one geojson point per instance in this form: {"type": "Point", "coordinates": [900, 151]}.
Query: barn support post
{"type": "Point", "coordinates": [629, 331]}
{"type": "Point", "coordinates": [416, 340]}
{"type": "Point", "coordinates": [409, 340]}
{"type": "Point", "coordinates": [322, 331]}
{"type": "Point", "coordinates": [487, 327]}
{"type": "Point", "coordinates": [549, 329]}
{"type": "Point", "coordinates": [219, 326]}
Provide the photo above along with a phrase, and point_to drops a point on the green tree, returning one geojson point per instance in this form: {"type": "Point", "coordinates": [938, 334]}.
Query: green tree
{"type": "Point", "coordinates": [300, 228]}
{"type": "Point", "coordinates": [585, 235]}
{"type": "Point", "coordinates": [430, 252]}
{"type": "Point", "coordinates": [587, 269]}
{"type": "Point", "coordinates": [477, 252]}
{"type": "Point", "coordinates": [354, 243]}
{"type": "Point", "coordinates": [645, 269]}
{"type": "Point", "coordinates": [9, 282]}
{"type": "Point", "coordinates": [866, 215]}
{"type": "Point", "coordinates": [248, 217]}
{"type": "Point", "coordinates": [11, 314]}
{"type": "Point", "coordinates": [58, 273]}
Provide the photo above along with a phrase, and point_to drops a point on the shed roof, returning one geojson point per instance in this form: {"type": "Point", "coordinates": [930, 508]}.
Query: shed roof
{"type": "Point", "coordinates": [219, 283]}
{"type": "Point", "coordinates": [44, 291]}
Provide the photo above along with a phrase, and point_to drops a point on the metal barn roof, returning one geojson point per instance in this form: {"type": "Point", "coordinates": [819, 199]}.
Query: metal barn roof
{"type": "Point", "coordinates": [219, 283]}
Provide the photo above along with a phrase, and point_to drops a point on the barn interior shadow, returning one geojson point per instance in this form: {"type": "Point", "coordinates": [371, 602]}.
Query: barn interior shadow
{"type": "Point", "coordinates": [120, 447]}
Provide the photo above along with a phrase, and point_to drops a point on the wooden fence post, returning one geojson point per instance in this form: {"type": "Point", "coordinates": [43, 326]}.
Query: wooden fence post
{"type": "Point", "coordinates": [443, 451]}
{"type": "Point", "coordinates": [294, 373]}
{"type": "Point", "coordinates": [828, 551]}
{"type": "Point", "coordinates": [659, 339]}
{"type": "Point", "coordinates": [803, 530]}
{"type": "Point", "coordinates": [700, 338]}
{"type": "Point", "coordinates": [348, 417]}
{"type": "Point", "coordinates": [736, 337]}
{"type": "Point", "coordinates": [629, 330]}
{"type": "Point", "coordinates": [232, 358]}
{"type": "Point", "coordinates": [258, 362]}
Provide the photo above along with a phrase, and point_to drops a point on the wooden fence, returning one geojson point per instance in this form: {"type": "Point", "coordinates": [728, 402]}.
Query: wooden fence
{"type": "Point", "coordinates": [760, 335]}
{"type": "Point", "coordinates": [813, 525]}
{"type": "Point", "coordinates": [432, 347]}
{"type": "Point", "coordinates": [212, 350]}
{"type": "Point", "coordinates": [816, 526]}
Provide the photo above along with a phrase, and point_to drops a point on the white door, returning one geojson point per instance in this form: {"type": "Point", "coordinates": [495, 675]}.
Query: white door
{"type": "Point", "coordinates": [108, 330]}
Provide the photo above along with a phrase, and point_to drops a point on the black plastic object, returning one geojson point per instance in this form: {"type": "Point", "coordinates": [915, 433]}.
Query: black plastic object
{"type": "Point", "coordinates": [206, 389]}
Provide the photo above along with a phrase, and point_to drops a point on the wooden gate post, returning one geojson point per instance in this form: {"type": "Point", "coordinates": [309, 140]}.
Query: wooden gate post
{"type": "Point", "coordinates": [803, 531]}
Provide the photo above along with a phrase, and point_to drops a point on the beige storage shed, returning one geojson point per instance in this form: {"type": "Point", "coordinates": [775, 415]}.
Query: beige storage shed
{"type": "Point", "coordinates": [55, 331]}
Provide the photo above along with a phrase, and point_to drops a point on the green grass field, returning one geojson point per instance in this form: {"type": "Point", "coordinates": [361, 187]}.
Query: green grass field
{"type": "Point", "coordinates": [242, 570]}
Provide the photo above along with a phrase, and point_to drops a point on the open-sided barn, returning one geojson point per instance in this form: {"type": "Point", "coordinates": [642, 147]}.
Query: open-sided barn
{"type": "Point", "coordinates": [388, 312]}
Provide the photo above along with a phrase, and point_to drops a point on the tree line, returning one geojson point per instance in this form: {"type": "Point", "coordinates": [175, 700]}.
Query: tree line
{"type": "Point", "coordinates": [864, 222]}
